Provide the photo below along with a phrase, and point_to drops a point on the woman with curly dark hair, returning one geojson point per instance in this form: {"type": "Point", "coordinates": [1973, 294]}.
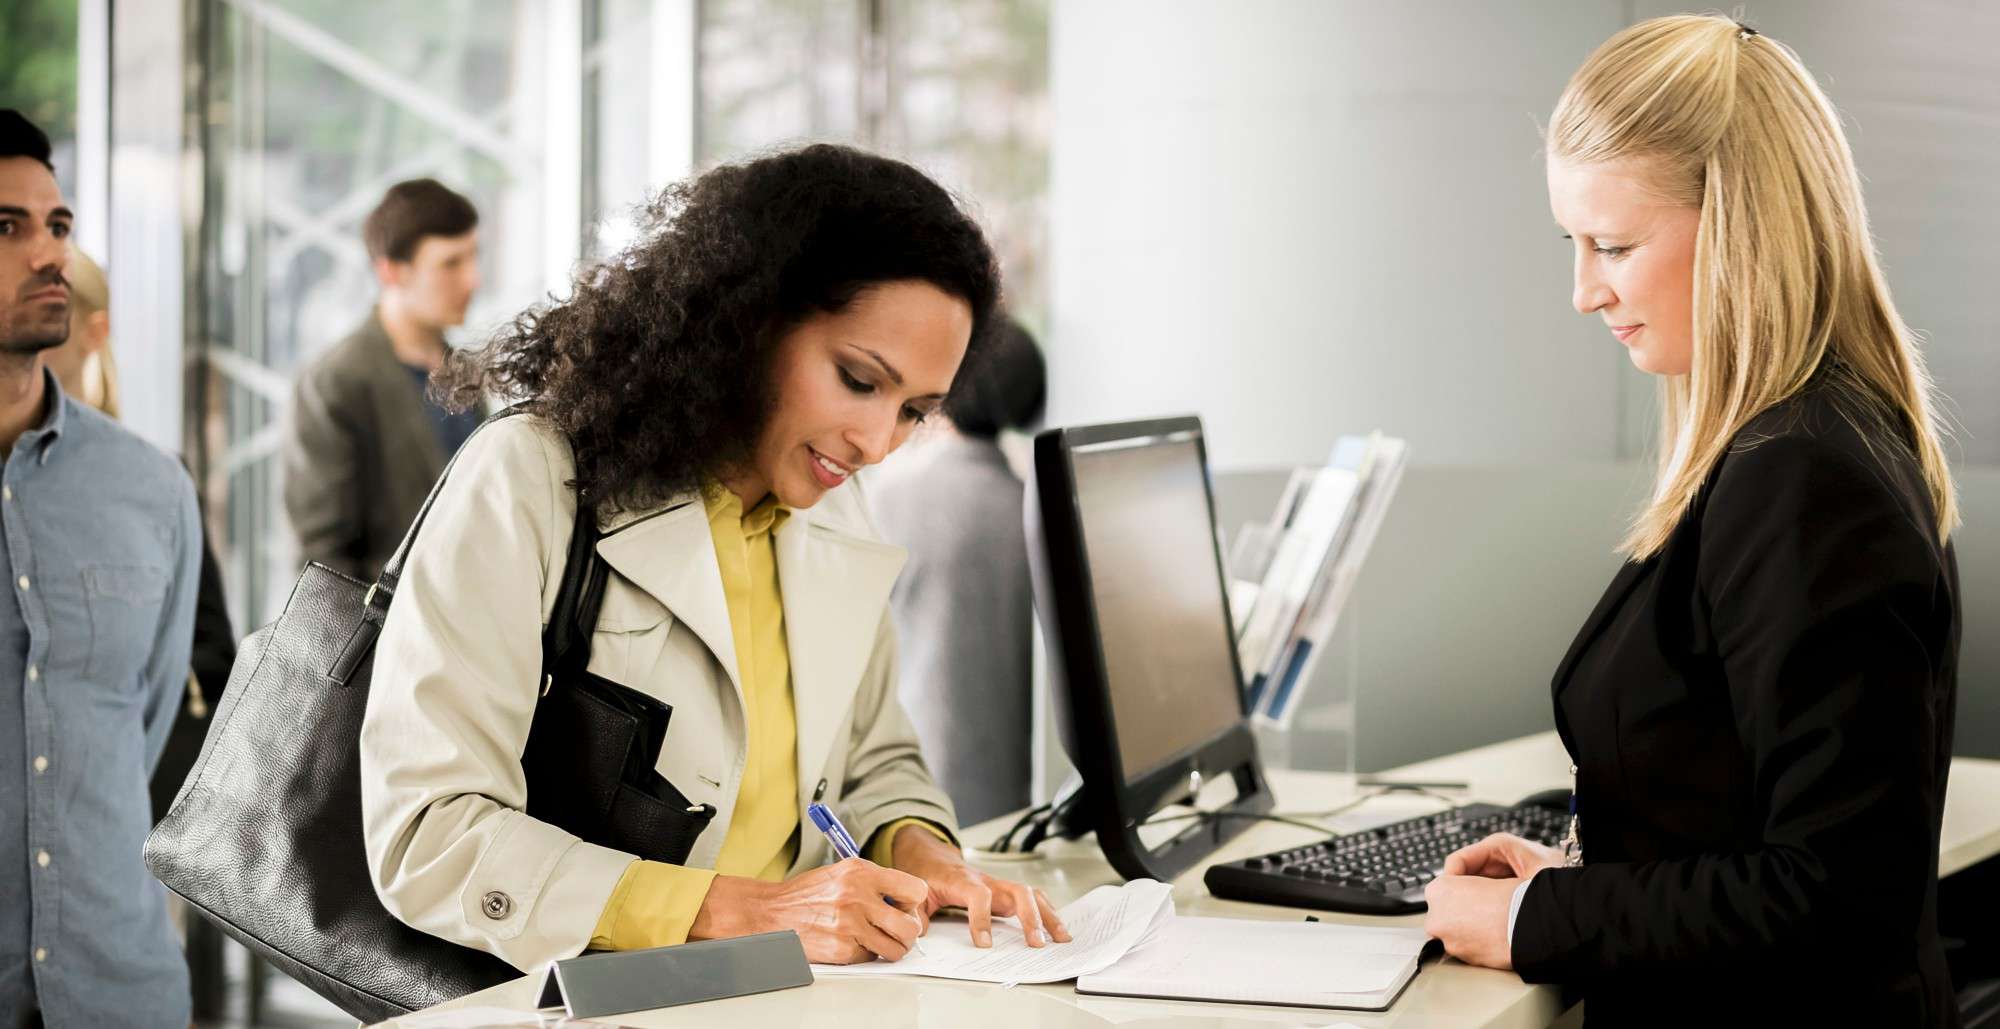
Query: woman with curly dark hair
{"type": "Point", "coordinates": [708, 393]}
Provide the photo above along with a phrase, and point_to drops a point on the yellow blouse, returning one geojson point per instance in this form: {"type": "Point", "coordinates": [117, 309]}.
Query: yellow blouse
{"type": "Point", "coordinates": [654, 903]}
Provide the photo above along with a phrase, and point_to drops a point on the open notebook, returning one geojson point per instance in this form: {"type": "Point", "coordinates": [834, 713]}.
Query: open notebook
{"type": "Point", "coordinates": [1307, 964]}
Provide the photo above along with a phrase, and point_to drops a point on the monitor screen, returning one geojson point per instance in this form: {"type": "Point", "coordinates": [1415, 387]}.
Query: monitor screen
{"type": "Point", "coordinates": [1156, 586]}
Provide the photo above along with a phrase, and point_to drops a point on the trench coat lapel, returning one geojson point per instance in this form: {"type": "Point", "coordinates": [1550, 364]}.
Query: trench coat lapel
{"type": "Point", "coordinates": [671, 556]}
{"type": "Point", "coordinates": [836, 593]}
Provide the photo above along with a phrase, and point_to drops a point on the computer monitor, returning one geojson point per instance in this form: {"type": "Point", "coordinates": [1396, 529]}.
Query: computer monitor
{"type": "Point", "coordinates": [1143, 668]}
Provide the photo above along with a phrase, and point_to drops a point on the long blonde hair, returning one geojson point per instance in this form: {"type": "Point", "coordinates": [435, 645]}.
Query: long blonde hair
{"type": "Point", "coordinates": [90, 291]}
{"type": "Point", "coordinates": [1785, 277]}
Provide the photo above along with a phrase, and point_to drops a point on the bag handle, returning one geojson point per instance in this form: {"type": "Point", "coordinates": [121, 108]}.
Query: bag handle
{"type": "Point", "coordinates": [565, 643]}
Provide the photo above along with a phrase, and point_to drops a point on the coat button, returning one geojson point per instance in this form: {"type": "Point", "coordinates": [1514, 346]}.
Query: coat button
{"type": "Point", "coordinates": [497, 905]}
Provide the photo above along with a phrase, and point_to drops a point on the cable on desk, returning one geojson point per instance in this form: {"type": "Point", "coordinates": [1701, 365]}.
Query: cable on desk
{"type": "Point", "coordinates": [1004, 843]}
{"type": "Point", "coordinates": [1216, 816]}
{"type": "Point", "coordinates": [1039, 820]}
{"type": "Point", "coordinates": [1364, 798]}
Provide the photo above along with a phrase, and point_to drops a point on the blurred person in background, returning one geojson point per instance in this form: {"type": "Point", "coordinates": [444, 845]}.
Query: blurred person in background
{"type": "Point", "coordinates": [102, 555]}
{"type": "Point", "coordinates": [84, 367]}
{"type": "Point", "coordinates": [963, 607]}
{"type": "Point", "coordinates": [364, 443]}
{"type": "Point", "coordinates": [83, 363]}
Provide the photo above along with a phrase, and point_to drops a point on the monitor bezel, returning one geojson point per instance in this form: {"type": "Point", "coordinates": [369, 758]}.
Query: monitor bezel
{"type": "Point", "coordinates": [1120, 805]}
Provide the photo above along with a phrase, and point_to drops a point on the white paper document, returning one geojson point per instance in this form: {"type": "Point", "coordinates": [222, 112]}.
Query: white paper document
{"type": "Point", "coordinates": [1104, 926]}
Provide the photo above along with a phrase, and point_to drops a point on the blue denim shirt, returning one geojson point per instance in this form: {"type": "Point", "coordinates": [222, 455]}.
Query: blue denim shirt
{"type": "Point", "coordinates": [102, 556]}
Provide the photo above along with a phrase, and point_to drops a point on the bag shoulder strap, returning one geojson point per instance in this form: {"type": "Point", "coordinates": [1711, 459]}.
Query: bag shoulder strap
{"type": "Point", "coordinates": [566, 641]}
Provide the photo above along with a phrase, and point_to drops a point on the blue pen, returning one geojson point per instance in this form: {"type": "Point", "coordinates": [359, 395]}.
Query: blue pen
{"type": "Point", "coordinates": [823, 819]}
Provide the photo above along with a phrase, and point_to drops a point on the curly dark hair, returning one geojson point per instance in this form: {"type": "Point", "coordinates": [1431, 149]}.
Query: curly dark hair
{"type": "Point", "coordinates": [657, 367]}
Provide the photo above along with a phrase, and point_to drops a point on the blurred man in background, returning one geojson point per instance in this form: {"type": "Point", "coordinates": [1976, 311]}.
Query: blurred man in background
{"type": "Point", "coordinates": [364, 443]}
{"type": "Point", "coordinates": [101, 545]}
{"type": "Point", "coordinates": [964, 609]}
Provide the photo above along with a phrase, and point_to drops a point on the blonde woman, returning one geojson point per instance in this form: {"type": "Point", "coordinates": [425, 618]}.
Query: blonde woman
{"type": "Point", "coordinates": [1760, 707]}
{"type": "Point", "coordinates": [83, 362]}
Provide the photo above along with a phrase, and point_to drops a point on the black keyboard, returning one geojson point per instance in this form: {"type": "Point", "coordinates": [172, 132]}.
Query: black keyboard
{"type": "Point", "coordinates": [1380, 871]}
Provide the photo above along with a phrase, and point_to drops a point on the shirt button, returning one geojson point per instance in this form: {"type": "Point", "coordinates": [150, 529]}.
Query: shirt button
{"type": "Point", "coordinates": [42, 859]}
{"type": "Point", "coordinates": [34, 673]}
{"type": "Point", "coordinates": [41, 953]}
{"type": "Point", "coordinates": [6, 492]}
{"type": "Point", "coordinates": [41, 764]}
{"type": "Point", "coordinates": [497, 905]}
{"type": "Point", "coordinates": [22, 582]}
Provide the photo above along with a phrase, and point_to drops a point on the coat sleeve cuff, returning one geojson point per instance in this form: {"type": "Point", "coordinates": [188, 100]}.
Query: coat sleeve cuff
{"type": "Point", "coordinates": [1542, 940]}
{"type": "Point", "coordinates": [536, 893]}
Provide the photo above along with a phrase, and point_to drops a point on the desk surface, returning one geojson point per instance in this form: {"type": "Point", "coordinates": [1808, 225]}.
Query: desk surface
{"type": "Point", "coordinates": [1444, 993]}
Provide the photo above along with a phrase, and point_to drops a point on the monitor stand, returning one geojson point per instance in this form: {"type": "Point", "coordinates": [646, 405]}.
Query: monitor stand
{"type": "Point", "coordinates": [1117, 815]}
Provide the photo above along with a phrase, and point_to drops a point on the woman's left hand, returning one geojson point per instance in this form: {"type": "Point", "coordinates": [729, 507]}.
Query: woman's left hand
{"type": "Point", "coordinates": [1468, 914]}
{"type": "Point", "coordinates": [955, 883]}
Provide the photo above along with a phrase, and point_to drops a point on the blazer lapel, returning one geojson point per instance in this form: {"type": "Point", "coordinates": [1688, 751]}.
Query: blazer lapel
{"type": "Point", "coordinates": [1614, 596]}
{"type": "Point", "coordinates": [836, 592]}
{"type": "Point", "coordinates": [670, 555]}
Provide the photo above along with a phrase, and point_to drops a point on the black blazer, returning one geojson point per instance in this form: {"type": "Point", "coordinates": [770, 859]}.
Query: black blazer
{"type": "Point", "coordinates": [1761, 718]}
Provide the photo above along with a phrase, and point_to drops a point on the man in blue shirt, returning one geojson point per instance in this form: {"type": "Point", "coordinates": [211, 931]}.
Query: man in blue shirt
{"type": "Point", "coordinates": [100, 549]}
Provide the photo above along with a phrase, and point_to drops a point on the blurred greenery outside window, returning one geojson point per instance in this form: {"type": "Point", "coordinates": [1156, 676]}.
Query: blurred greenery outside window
{"type": "Point", "coordinates": [38, 74]}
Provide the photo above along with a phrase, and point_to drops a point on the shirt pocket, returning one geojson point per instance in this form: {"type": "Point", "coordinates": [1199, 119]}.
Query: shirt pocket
{"type": "Point", "coordinates": [123, 602]}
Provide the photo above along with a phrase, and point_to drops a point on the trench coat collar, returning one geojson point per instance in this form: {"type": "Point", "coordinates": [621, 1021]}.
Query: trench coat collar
{"type": "Point", "coordinates": [834, 576]}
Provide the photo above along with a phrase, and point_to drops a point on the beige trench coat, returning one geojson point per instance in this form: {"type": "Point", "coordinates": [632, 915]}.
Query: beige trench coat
{"type": "Point", "coordinates": [457, 673]}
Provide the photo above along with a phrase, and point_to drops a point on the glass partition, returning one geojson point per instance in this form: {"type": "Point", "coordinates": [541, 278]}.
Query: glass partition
{"type": "Point", "coordinates": [312, 108]}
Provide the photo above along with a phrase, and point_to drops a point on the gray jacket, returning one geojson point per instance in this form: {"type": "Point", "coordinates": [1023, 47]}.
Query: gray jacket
{"type": "Point", "coordinates": [964, 611]}
{"type": "Point", "coordinates": [360, 454]}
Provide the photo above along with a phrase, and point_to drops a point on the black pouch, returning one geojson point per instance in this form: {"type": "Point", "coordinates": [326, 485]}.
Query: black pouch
{"type": "Point", "coordinates": [592, 748]}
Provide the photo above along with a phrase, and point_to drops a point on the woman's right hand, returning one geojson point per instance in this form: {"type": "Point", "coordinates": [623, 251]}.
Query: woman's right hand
{"type": "Point", "coordinates": [1503, 856]}
{"type": "Point", "coordinates": [838, 911]}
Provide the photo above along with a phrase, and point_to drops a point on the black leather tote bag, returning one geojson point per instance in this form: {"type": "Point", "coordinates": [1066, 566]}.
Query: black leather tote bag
{"type": "Point", "coordinates": [265, 836]}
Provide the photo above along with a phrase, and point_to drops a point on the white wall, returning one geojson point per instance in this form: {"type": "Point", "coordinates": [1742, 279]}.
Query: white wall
{"type": "Point", "coordinates": [1301, 218]}
{"type": "Point", "coordinates": [1918, 88]}
{"type": "Point", "coordinates": [1304, 217]}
